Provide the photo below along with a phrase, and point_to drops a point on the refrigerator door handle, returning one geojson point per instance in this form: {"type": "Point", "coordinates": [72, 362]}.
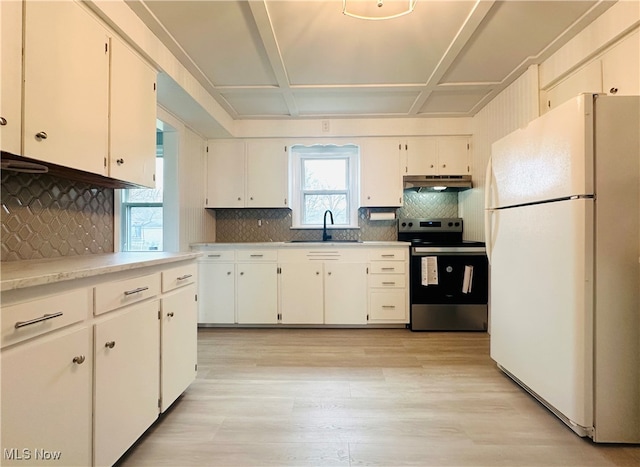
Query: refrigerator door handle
{"type": "Point", "coordinates": [488, 212]}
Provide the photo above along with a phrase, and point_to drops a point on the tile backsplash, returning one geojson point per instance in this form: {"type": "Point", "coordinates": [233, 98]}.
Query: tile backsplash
{"type": "Point", "coordinates": [45, 217]}
{"type": "Point", "coordinates": [274, 225]}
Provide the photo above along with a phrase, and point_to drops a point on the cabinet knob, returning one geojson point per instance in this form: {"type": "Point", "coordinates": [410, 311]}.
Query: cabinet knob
{"type": "Point", "coordinates": [170, 314]}
{"type": "Point", "coordinates": [251, 198]}
{"type": "Point", "coordinates": [431, 166]}
{"type": "Point", "coordinates": [41, 135]}
{"type": "Point", "coordinates": [228, 273]}
{"type": "Point", "coordinates": [79, 360]}
{"type": "Point", "coordinates": [239, 198]}
{"type": "Point", "coordinates": [368, 197]}
{"type": "Point", "coordinates": [329, 272]}
{"type": "Point", "coordinates": [3, 121]}
{"type": "Point", "coordinates": [444, 165]}
{"type": "Point", "coordinates": [120, 161]}
{"type": "Point", "coordinates": [613, 90]}
{"type": "Point", "coordinates": [242, 273]}
{"type": "Point", "coordinates": [110, 344]}
{"type": "Point", "coordinates": [317, 273]}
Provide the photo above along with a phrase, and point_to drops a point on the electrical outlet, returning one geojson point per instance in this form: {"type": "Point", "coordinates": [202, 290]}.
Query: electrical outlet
{"type": "Point", "coordinates": [325, 126]}
{"type": "Point", "coordinates": [259, 222]}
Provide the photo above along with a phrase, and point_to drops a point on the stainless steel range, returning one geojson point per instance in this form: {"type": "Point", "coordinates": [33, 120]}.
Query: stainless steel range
{"type": "Point", "coordinates": [448, 276]}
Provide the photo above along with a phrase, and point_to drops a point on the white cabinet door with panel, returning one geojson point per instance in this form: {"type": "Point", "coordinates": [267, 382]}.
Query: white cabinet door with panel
{"type": "Point", "coordinates": [127, 378]}
{"type": "Point", "coordinates": [345, 293]}
{"type": "Point", "coordinates": [132, 148]}
{"type": "Point", "coordinates": [216, 304]}
{"type": "Point", "coordinates": [380, 176]}
{"type": "Point", "coordinates": [453, 155]}
{"type": "Point", "coordinates": [46, 400]}
{"type": "Point", "coordinates": [257, 286]}
{"type": "Point", "coordinates": [11, 80]}
{"type": "Point", "coordinates": [437, 155]}
{"type": "Point", "coordinates": [421, 156]}
{"type": "Point", "coordinates": [225, 174]}
{"type": "Point", "coordinates": [66, 86]}
{"type": "Point", "coordinates": [302, 293]}
{"type": "Point", "coordinates": [267, 180]}
{"type": "Point", "coordinates": [179, 340]}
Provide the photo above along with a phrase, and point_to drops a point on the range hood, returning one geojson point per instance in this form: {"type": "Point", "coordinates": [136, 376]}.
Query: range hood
{"type": "Point", "coordinates": [437, 183]}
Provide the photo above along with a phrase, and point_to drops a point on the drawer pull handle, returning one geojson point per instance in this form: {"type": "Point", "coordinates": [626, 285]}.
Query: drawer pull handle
{"type": "Point", "coordinates": [214, 256]}
{"type": "Point", "coordinates": [257, 256]}
{"type": "Point", "coordinates": [186, 276]}
{"type": "Point", "coordinates": [388, 256]}
{"type": "Point", "coordinates": [388, 269]}
{"type": "Point", "coordinates": [388, 283]}
{"type": "Point", "coordinates": [110, 344]}
{"type": "Point", "coordinates": [388, 306]}
{"type": "Point", "coordinates": [21, 324]}
{"type": "Point", "coordinates": [79, 359]}
{"type": "Point", "coordinates": [170, 314]}
{"type": "Point", "coordinates": [135, 291]}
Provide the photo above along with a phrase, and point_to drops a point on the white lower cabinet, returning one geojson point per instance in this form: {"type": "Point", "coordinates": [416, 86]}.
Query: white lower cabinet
{"type": "Point", "coordinates": [345, 294]}
{"type": "Point", "coordinates": [127, 379]}
{"type": "Point", "coordinates": [257, 293]}
{"type": "Point", "coordinates": [46, 400]}
{"type": "Point", "coordinates": [302, 293]}
{"type": "Point", "coordinates": [217, 289]}
{"type": "Point", "coordinates": [179, 343]}
{"type": "Point", "coordinates": [389, 286]}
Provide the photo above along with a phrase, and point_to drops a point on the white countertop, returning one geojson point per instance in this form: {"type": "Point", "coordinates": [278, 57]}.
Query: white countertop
{"type": "Point", "coordinates": [29, 273]}
{"type": "Point", "coordinates": [299, 244]}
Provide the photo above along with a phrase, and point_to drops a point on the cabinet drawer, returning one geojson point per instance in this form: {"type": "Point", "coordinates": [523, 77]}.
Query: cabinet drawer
{"type": "Point", "coordinates": [179, 276]}
{"type": "Point", "coordinates": [388, 267]}
{"type": "Point", "coordinates": [257, 255]}
{"type": "Point", "coordinates": [388, 306]}
{"type": "Point", "coordinates": [387, 280]}
{"type": "Point", "coordinates": [390, 254]}
{"type": "Point", "coordinates": [117, 294]}
{"type": "Point", "coordinates": [44, 315]}
{"type": "Point", "coordinates": [218, 255]}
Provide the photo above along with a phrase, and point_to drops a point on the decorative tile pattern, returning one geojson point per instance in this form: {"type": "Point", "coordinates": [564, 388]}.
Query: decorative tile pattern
{"type": "Point", "coordinates": [274, 225]}
{"type": "Point", "coordinates": [45, 217]}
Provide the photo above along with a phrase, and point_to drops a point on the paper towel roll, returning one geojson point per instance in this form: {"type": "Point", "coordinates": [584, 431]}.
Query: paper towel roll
{"type": "Point", "coordinates": [382, 216]}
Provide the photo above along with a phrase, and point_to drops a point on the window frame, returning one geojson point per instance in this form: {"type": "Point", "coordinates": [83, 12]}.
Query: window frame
{"type": "Point", "coordinates": [299, 153]}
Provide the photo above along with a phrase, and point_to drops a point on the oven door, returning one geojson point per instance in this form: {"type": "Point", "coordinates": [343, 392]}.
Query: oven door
{"type": "Point", "coordinates": [449, 290]}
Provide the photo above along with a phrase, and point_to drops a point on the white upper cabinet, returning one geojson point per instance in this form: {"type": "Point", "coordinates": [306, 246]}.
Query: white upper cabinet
{"type": "Point", "coordinates": [621, 68]}
{"type": "Point", "coordinates": [380, 176]}
{"type": "Point", "coordinates": [132, 135]}
{"type": "Point", "coordinates": [11, 81]}
{"type": "Point", "coordinates": [437, 155]}
{"type": "Point", "coordinates": [66, 86]}
{"type": "Point", "coordinates": [247, 174]}
{"type": "Point", "coordinates": [225, 174]}
{"type": "Point", "coordinates": [267, 174]}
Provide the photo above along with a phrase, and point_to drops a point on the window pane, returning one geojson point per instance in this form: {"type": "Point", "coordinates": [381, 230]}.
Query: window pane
{"type": "Point", "coordinates": [324, 174]}
{"type": "Point", "coordinates": [316, 205]}
{"type": "Point", "coordinates": [145, 228]}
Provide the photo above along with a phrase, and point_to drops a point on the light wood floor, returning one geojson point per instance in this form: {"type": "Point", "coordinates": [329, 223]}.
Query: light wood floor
{"type": "Point", "coordinates": [351, 397]}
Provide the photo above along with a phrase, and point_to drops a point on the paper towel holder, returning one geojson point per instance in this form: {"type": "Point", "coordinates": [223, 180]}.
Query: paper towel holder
{"type": "Point", "coordinates": [381, 215]}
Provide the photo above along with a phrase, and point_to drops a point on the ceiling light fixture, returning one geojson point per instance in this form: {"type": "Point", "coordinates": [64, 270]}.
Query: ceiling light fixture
{"type": "Point", "coordinates": [410, 5]}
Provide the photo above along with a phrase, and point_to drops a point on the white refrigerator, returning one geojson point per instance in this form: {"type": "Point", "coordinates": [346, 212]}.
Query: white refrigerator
{"type": "Point", "coordinates": [563, 240]}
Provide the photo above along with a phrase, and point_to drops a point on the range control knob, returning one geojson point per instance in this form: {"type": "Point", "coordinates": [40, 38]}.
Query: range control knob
{"type": "Point", "coordinates": [404, 224]}
{"type": "Point", "coordinates": [457, 224]}
{"type": "Point", "coordinates": [450, 224]}
{"type": "Point", "coordinates": [410, 224]}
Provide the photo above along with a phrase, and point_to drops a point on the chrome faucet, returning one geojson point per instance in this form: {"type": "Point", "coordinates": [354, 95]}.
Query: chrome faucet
{"type": "Point", "coordinates": [326, 236]}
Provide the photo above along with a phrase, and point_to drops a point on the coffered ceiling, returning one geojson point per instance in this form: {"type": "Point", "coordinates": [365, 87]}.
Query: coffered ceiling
{"type": "Point", "coordinates": [305, 59]}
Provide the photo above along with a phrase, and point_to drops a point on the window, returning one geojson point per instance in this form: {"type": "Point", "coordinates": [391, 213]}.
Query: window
{"type": "Point", "coordinates": [325, 178]}
{"type": "Point", "coordinates": [142, 212]}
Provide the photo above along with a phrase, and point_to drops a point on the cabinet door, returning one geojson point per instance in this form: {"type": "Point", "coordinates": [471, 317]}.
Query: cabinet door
{"type": "Point", "coordinates": [302, 293]}
{"type": "Point", "coordinates": [380, 177]}
{"type": "Point", "coordinates": [345, 293]}
{"type": "Point", "coordinates": [11, 80]}
{"type": "Point", "coordinates": [621, 68]}
{"type": "Point", "coordinates": [127, 379]}
{"type": "Point", "coordinates": [225, 174]}
{"type": "Point", "coordinates": [257, 293]}
{"type": "Point", "coordinates": [66, 86]}
{"type": "Point", "coordinates": [179, 341]}
{"type": "Point", "coordinates": [453, 155]}
{"type": "Point", "coordinates": [421, 155]}
{"type": "Point", "coordinates": [46, 400]}
{"type": "Point", "coordinates": [267, 174]}
{"type": "Point", "coordinates": [132, 149]}
{"type": "Point", "coordinates": [217, 291]}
